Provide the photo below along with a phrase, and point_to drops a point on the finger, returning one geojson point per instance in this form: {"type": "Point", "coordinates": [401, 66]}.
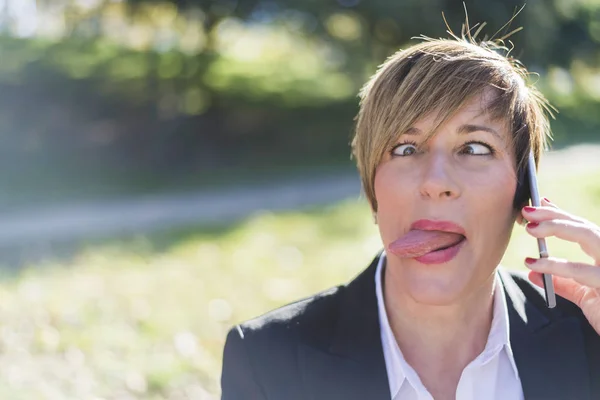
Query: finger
{"type": "Point", "coordinates": [584, 274]}
{"type": "Point", "coordinates": [548, 203]}
{"type": "Point", "coordinates": [564, 287]}
{"type": "Point", "coordinates": [546, 212]}
{"type": "Point", "coordinates": [587, 235]}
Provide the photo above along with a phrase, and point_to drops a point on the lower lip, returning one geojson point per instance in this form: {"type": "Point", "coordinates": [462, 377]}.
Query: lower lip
{"type": "Point", "coordinates": [441, 256]}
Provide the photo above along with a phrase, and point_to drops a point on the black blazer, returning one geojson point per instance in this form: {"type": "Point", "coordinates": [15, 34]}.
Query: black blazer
{"type": "Point", "coordinates": [328, 347]}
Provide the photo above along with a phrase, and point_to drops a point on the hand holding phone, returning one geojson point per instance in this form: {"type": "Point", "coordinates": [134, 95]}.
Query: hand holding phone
{"type": "Point", "coordinates": [543, 249]}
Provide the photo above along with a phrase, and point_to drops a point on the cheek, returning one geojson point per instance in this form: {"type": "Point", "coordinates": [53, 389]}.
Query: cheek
{"type": "Point", "coordinates": [492, 201]}
{"type": "Point", "coordinates": [393, 201]}
{"type": "Point", "coordinates": [392, 189]}
{"type": "Point", "coordinates": [498, 187]}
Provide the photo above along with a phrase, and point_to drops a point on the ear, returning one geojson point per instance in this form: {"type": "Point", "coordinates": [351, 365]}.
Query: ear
{"type": "Point", "coordinates": [519, 216]}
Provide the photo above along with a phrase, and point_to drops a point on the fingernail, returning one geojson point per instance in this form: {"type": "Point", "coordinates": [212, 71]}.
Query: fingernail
{"type": "Point", "coordinates": [529, 209]}
{"type": "Point", "coordinates": [532, 224]}
{"type": "Point", "coordinates": [547, 200]}
{"type": "Point", "coordinates": [530, 260]}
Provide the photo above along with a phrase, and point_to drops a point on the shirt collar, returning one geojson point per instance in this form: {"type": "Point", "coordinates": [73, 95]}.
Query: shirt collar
{"type": "Point", "coordinates": [398, 369]}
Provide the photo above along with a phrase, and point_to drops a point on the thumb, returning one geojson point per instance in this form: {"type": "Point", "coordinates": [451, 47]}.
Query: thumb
{"type": "Point", "coordinates": [564, 287]}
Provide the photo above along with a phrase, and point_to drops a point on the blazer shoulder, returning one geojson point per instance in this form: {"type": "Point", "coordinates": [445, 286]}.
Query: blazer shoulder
{"type": "Point", "coordinates": [527, 292]}
{"type": "Point", "coordinates": [260, 355]}
{"type": "Point", "coordinates": [307, 319]}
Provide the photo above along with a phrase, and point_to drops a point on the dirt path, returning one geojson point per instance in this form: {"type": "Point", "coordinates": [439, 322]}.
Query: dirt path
{"type": "Point", "coordinates": [146, 213]}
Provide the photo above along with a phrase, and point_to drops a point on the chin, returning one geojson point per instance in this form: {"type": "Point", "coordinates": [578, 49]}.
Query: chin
{"type": "Point", "coordinates": [434, 287]}
{"type": "Point", "coordinates": [435, 296]}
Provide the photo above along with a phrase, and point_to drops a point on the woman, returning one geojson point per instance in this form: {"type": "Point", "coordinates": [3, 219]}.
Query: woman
{"type": "Point", "coordinates": [441, 144]}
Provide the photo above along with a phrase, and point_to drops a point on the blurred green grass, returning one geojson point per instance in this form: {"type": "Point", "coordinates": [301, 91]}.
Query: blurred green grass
{"type": "Point", "coordinates": [146, 317]}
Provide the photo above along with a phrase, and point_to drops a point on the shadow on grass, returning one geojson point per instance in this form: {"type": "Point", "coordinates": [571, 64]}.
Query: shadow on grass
{"type": "Point", "coordinates": [33, 255]}
{"type": "Point", "coordinates": [14, 259]}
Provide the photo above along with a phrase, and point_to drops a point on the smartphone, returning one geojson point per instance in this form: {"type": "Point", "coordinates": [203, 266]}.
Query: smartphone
{"type": "Point", "coordinates": [543, 249]}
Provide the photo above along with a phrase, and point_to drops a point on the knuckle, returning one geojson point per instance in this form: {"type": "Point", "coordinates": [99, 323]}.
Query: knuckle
{"type": "Point", "coordinates": [580, 271]}
{"type": "Point", "coordinates": [578, 267]}
{"type": "Point", "coordinates": [592, 234]}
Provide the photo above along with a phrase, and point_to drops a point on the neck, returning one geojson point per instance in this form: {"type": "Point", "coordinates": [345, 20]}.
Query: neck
{"type": "Point", "coordinates": [439, 340]}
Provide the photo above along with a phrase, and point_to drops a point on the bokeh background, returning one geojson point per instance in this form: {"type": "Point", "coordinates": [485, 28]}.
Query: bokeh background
{"type": "Point", "coordinates": [171, 168]}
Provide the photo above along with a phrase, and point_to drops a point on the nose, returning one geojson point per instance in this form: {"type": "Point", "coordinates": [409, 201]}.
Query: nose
{"type": "Point", "coordinates": [438, 180]}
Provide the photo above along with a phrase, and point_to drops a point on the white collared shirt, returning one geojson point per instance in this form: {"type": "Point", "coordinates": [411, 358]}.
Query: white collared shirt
{"type": "Point", "coordinates": [492, 375]}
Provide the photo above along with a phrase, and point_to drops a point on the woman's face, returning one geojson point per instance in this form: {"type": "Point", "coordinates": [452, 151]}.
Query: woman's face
{"type": "Point", "coordinates": [465, 175]}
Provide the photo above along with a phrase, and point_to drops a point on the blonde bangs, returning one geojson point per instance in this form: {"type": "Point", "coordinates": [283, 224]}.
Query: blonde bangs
{"type": "Point", "coordinates": [438, 78]}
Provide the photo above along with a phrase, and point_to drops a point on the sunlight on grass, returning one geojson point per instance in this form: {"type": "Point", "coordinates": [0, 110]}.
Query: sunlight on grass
{"type": "Point", "coordinates": [147, 318]}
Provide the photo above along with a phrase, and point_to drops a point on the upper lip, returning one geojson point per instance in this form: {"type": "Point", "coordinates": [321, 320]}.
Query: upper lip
{"type": "Point", "coordinates": [438, 225]}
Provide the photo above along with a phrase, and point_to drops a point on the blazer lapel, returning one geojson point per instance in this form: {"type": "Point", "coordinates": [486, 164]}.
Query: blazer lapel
{"type": "Point", "coordinates": [548, 348]}
{"type": "Point", "coordinates": [353, 368]}
{"type": "Point", "coordinates": [549, 351]}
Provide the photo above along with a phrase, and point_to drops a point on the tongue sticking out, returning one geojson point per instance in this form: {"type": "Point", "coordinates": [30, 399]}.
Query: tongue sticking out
{"type": "Point", "coordinates": [417, 242]}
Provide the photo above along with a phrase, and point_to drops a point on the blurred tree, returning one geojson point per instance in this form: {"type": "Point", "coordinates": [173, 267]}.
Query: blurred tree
{"type": "Point", "coordinates": [172, 87]}
{"type": "Point", "coordinates": [555, 32]}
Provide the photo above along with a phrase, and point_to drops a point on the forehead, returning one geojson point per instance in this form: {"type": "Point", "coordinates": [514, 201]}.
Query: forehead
{"type": "Point", "coordinates": [480, 105]}
{"type": "Point", "coordinates": [477, 110]}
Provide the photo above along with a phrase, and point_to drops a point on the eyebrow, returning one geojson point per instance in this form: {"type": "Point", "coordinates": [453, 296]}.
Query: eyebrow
{"type": "Point", "coordinates": [462, 130]}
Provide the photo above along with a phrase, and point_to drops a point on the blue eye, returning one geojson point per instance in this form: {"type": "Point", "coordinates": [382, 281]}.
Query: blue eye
{"type": "Point", "coordinates": [477, 149]}
{"type": "Point", "coordinates": [405, 149]}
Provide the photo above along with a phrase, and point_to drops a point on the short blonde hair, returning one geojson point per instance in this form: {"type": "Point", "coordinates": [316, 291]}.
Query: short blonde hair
{"type": "Point", "coordinates": [441, 75]}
